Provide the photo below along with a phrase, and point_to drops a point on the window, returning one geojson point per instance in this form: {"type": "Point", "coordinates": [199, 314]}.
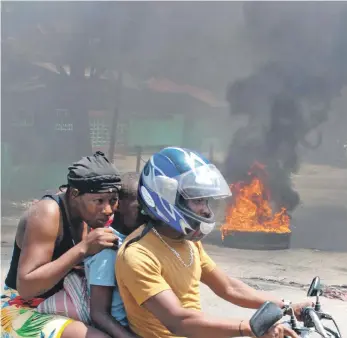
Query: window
{"type": "Point", "coordinates": [99, 132]}
{"type": "Point", "coordinates": [63, 121]}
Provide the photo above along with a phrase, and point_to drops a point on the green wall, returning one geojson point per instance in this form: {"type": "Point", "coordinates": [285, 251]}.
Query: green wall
{"type": "Point", "coordinates": [201, 133]}
{"type": "Point", "coordinates": [151, 132]}
{"type": "Point", "coordinates": [177, 130]}
{"type": "Point", "coordinates": [31, 180]}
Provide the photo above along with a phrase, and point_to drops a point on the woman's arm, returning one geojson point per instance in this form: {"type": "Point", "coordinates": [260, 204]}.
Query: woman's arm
{"type": "Point", "coordinates": [100, 312]}
{"type": "Point", "coordinates": [36, 272]}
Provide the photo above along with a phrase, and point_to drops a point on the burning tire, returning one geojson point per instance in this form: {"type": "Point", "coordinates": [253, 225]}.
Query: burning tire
{"type": "Point", "coordinates": [257, 240]}
{"type": "Point", "coordinates": [253, 218]}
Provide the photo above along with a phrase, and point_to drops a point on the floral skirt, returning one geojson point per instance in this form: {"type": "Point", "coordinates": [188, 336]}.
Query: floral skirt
{"type": "Point", "coordinates": [19, 318]}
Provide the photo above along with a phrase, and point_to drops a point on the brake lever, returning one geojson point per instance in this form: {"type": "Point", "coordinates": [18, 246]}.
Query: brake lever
{"type": "Point", "coordinates": [335, 334]}
{"type": "Point", "coordinates": [323, 315]}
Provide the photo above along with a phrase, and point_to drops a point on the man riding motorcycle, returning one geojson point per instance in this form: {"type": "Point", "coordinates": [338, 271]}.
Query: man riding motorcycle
{"type": "Point", "coordinates": [161, 265]}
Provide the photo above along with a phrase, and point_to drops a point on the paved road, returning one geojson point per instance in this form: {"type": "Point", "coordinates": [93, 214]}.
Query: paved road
{"type": "Point", "coordinates": [320, 223]}
{"type": "Point", "coordinates": [218, 308]}
{"type": "Point", "coordinates": [272, 271]}
{"type": "Point", "coordinates": [287, 274]}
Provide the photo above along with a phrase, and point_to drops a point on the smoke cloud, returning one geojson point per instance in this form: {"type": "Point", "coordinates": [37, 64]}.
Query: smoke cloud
{"type": "Point", "coordinates": [303, 52]}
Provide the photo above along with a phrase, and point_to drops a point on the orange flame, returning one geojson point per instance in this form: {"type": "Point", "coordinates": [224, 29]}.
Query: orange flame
{"type": "Point", "coordinates": [251, 210]}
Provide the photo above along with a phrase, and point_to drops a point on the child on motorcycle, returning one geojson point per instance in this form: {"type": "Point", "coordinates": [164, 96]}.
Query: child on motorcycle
{"type": "Point", "coordinates": [106, 306]}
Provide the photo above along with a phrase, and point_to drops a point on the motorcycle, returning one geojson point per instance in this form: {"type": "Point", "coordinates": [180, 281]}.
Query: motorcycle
{"type": "Point", "coordinates": [312, 317]}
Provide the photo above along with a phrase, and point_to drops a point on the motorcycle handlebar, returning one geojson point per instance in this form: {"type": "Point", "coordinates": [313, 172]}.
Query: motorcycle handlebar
{"type": "Point", "coordinates": [311, 313]}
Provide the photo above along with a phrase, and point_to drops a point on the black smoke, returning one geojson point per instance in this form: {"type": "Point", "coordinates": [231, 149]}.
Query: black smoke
{"type": "Point", "coordinates": [288, 96]}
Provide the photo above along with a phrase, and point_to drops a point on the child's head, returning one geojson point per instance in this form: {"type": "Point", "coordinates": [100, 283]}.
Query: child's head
{"type": "Point", "coordinates": [128, 216]}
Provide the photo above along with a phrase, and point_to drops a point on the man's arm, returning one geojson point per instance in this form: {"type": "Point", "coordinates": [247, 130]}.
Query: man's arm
{"type": "Point", "coordinates": [191, 323]}
{"type": "Point", "coordinates": [239, 293]}
{"type": "Point", "coordinates": [231, 289]}
{"type": "Point", "coordinates": [236, 291]}
{"type": "Point", "coordinates": [100, 312]}
{"type": "Point", "coordinates": [194, 324]}
{"type": "Point", "coordinates": [140, 272]}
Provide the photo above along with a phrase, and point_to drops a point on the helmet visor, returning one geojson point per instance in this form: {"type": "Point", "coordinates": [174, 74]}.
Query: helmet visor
{"type": "Point", "coordinates": [205, 181]}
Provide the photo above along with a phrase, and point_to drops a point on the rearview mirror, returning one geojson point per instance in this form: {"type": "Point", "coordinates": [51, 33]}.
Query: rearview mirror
{"type": "Point", "coordinates": [265, 317]}
{"type": "Point", "coordinates": [315, 288]}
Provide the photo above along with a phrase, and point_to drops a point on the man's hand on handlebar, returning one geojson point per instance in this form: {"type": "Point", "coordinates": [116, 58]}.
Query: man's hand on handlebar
{"type": "Point", "coordinates": [280, 331]}
{"type": "Point", "coordinates": [298, 307]}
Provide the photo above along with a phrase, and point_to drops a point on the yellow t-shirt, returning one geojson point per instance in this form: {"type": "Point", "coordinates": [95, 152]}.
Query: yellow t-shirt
{"type": "Point", "coordinates": [148, 267]}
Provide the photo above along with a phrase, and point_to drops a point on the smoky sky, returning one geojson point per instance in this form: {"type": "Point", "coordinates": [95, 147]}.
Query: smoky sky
{"type": "Point", "coordinates": [201, 43]}
{"type": "Point", "coordinates": [301, 50]}
{"type": "Point", "coordinates": [282, 62]}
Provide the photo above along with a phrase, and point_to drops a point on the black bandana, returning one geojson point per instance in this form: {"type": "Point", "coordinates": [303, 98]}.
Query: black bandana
{"type": "Point", "coordinates": [94, 174]}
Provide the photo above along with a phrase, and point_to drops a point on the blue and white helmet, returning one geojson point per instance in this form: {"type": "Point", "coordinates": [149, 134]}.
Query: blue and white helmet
{"type": "Point", "coordinates": [173, 176]}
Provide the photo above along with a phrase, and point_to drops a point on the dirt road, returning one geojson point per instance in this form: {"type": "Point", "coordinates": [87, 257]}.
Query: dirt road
{"type": "Point", "coordinates": [320, 223]}
{"type": "Point", "coordinates": [286, 274]}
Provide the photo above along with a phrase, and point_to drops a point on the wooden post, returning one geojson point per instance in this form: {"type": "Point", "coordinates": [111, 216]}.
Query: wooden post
{"type": "Point", "coordinates": [138, 158]}
{"type": "Point", "coordinates": [115, 119]}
